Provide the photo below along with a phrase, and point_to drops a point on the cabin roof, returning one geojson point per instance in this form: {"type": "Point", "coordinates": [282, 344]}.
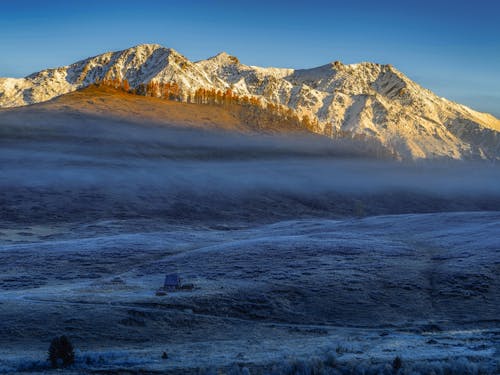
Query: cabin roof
{"type": "Point", "coordinates": [172, 279]}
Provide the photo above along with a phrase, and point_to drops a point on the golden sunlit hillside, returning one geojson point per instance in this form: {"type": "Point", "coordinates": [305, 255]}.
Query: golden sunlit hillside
{"type": "Point", "coordinates": [102, 100]}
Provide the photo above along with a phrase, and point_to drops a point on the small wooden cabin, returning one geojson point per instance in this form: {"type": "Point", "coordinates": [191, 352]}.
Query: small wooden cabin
{"type": "Point", "coordinates": [172, 282]}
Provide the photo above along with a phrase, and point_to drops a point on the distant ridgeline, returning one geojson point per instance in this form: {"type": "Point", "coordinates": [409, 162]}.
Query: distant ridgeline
{"type": "Point", "coordinates": [366, 101]}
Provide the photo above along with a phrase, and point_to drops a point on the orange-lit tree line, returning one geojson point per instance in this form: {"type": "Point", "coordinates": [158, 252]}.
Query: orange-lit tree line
{"type": "Point", "coordinates": [250, 109]}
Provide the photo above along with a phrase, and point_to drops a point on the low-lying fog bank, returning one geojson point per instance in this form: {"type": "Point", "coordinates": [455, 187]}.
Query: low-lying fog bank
{"type": "Point", "coordinates": [240, 191]}
{"type": "Point", "coordinates": [87, 170]}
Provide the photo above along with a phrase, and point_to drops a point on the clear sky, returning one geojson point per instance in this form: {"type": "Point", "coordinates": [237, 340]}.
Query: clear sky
{"type": "Point", "coordinates": [450, 47]}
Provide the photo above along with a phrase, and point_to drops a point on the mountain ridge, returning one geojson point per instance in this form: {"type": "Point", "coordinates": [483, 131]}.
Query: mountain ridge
{"type": "Point", "coordinates": [368, 99]}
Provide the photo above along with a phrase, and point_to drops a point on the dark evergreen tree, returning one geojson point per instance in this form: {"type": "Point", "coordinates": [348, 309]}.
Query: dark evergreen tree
{"type": "Point", "coordinates": [61, 352]}
{"type": "Point", "coordinates": [397, 364]}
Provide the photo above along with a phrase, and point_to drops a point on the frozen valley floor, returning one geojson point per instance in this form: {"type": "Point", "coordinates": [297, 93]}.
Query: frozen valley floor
{"type": "Point", "coordinates": [421, 286]}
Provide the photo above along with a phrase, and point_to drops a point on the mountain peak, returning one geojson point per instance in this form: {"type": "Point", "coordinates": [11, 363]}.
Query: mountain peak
{"type": "Point", "coordinates": [150, 48]}
{"type": "Point", "coordinates": [224, 58]}
{"type": "Point", "coordinates": [371, 100]}
{"type": "Point", "coordinates": [146, 46]}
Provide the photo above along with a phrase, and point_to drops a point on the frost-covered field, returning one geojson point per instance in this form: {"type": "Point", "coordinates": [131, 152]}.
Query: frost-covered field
{"type": "Point", "coordinates": [421, 286]}
{"type": "Point", "coordinates": [300, 262]}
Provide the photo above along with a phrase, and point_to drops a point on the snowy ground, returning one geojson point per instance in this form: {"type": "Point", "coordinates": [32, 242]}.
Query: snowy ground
{"type": "Point", "coordinates": [422, 286]}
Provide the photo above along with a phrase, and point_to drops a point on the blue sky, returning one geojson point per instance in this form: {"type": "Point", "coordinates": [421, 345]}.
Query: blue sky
{"type": "Point", "coordinates": [450, 47]}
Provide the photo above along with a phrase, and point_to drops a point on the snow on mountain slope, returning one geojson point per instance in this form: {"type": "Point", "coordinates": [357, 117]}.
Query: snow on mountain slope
{"type": "Point", "coordinates": [368, 99]}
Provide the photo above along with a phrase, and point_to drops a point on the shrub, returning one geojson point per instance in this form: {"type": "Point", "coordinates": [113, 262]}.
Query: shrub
{"type": "Point", "coordinates": [397, 364]}
{"type": "Point", "coordinates": [61, 352]}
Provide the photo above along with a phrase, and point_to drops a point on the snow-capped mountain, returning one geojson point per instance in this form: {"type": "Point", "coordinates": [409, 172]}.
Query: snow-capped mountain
{"type": "Point", "coordinates": [369, 99]}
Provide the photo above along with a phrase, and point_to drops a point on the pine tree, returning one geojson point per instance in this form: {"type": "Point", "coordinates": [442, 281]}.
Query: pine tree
{"type": "Point", "coordinates": [306, 122]}
{"type": "Point", "coordinates": [61, 349]}
{"type": "Point", "coordinates": [125, 85]}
